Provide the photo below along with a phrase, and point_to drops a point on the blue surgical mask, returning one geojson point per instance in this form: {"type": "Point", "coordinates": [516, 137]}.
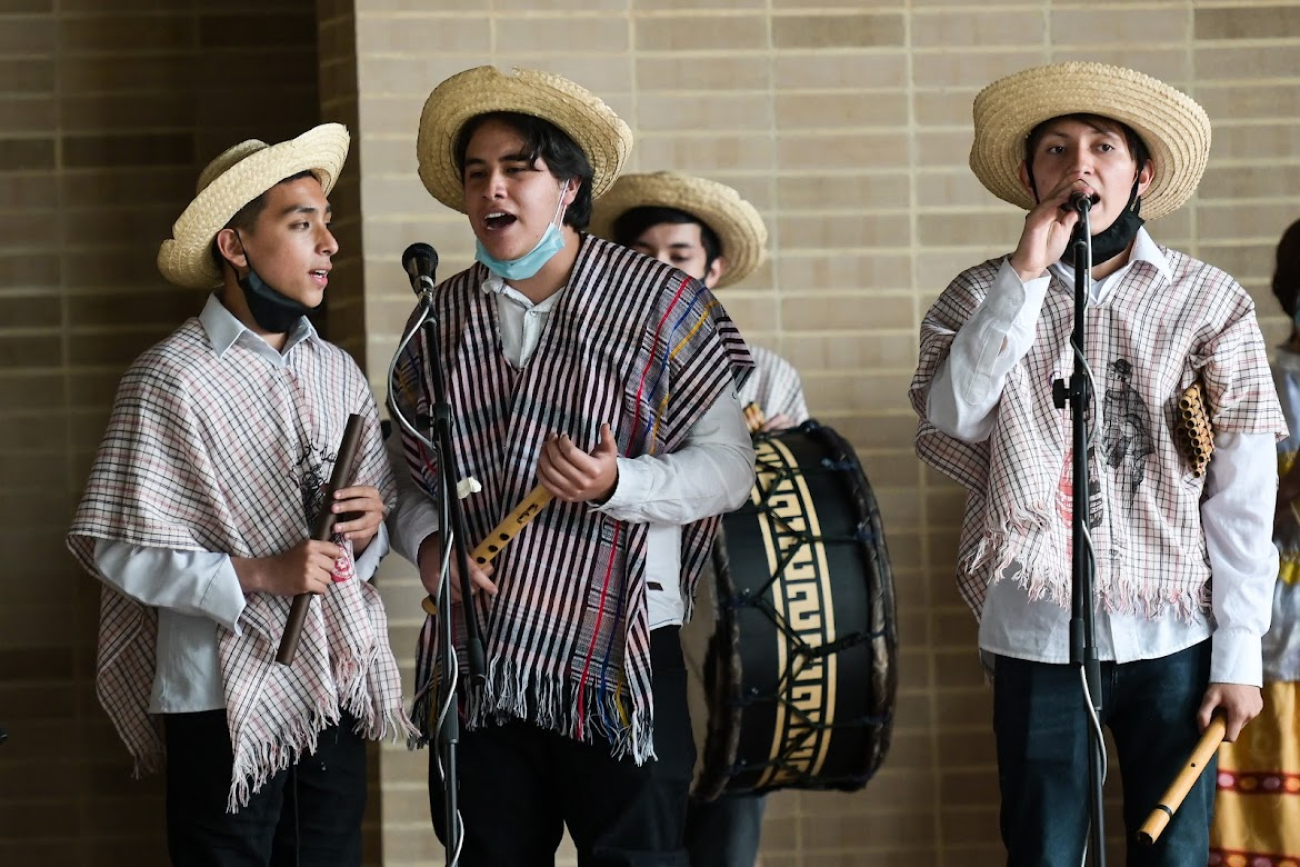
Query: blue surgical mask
{"type": "Point", "coordinates": [527, 265]}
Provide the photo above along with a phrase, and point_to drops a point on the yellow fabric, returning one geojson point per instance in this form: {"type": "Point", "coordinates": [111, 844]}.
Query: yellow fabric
{"type": "Point", "coordinates": [1257, 810]}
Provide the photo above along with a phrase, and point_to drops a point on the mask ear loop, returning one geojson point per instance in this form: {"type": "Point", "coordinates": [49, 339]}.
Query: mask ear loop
{"type": "Point", "coordinates": [560, 208]}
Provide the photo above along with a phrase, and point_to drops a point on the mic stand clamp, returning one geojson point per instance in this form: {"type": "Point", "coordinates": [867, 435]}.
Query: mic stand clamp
{"type": "Point", "coordinates": [1077, 394]}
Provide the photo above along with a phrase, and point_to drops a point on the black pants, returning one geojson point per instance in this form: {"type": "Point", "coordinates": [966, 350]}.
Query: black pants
{"type": "Point", "coordinates": [308, 815]}
{"type": "Point", "coordinates": [521, 785]}
{"type": "Point", "coordinates": [1041, 726]}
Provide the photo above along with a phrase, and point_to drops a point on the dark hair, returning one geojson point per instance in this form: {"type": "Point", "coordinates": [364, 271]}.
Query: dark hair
{"type": "Point", "coordinates": [1136, 147]}
{"type": "Point", "coordinates": [1286, 274]}
{"type": "Point", "coordinates": [544, 140]}
{"type": "Point", "coordinates": [246, 216]}
{"type": "Point", "coordinates": [634, 223]}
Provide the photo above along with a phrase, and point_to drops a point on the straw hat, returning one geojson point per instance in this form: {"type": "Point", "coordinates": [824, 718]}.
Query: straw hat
{"type": "Point", "coordinates": [736, 222]}
{"type": "Point", "coordinates": [232, 180]}
{"type": "Point", "coordinates": [1173, 126]}
{"type": "Point", "coordinates": [593, 126]}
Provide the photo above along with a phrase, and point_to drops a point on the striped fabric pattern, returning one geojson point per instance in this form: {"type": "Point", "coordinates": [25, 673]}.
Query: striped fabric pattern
{"type": "Point", "coordinates": [775, 387]}
{"type": "Point", "coordinates": [634, 343]}
{"type": "Point", "coordinates": [1147, 341]}
{"type": "Point", "coordinates": [229, 454]}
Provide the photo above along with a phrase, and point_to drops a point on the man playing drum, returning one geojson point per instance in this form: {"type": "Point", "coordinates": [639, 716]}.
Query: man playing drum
{"type": "Point", "coordinates": [707, 230]}
{"type": "Point", "coordinates": [1175, 648]}
{"type": "Point", "coordinates": [610, 379]}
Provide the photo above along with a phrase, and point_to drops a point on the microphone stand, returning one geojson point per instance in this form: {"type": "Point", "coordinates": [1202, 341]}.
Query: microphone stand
{"type": "Point", "coordinates": [451, 515]}
{"type": "Point", "coordinates": [1077, 392]}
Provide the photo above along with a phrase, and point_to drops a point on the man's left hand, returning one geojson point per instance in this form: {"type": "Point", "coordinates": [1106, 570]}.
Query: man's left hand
{"type": "Point", "coordinates": [364, 508]}
{"type": "Point", "coordinates": [1238, 703]}
{"type": "Point", "coordinates": [575, 476]}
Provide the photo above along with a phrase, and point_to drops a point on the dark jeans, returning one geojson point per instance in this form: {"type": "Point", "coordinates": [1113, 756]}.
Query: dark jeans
{"type": "Point", "coordinates": [308, 815]}
{"type": "Point", "coordinates": [725, 832]}
{"type": "Point", "coordinates": [520, 785]}
{"type": "Point", "coordinates": [1040, 723]}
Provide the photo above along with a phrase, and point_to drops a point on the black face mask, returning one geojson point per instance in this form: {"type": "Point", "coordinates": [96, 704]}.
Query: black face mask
{"type": "Point", "coordinates": [273, 312]}
{"type": "Point", "coordinates": [1119, 234]}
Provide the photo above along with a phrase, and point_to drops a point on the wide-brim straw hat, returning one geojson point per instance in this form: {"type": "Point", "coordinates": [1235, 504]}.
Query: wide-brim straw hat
{"type": "Point", "coordinates": [593, 125]}
{"type": "Point", "coordinates": [737, 223]}
{"type": "Point", "coordinates": [232, 180]}
{"type": "Point", "coordinates": [1175, 129]}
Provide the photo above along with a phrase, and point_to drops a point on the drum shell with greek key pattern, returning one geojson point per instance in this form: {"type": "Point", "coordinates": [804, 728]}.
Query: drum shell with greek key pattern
{"type": "Point", "coordinates": [798, 651]}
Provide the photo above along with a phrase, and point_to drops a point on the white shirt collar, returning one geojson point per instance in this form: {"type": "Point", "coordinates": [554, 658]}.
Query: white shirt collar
{"type": "Point", "coordinates": [1145, 249]}
{"type": "Point", "coordinates": [224, 330]}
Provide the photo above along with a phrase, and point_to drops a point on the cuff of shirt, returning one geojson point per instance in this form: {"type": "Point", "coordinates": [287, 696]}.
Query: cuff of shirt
{"type": "Point", "coordinates": [628, 489]}
{"type": "Point", "coordinates": [224, 600]}
{"type": "Point", "coordinates": [1237, 656]}
{"type": "Point", "coordinates": [368, 562]}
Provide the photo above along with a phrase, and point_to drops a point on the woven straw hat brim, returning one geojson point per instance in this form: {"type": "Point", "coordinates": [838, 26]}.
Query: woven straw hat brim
{"type": "Point", "coordinates": [593, 125]}
{"type": "Point", "coordinates": [1173, 126]}
{"type": "Point", "coordinates": [737, 223]}
{"type": "Point", "coordinates": [232, 180]}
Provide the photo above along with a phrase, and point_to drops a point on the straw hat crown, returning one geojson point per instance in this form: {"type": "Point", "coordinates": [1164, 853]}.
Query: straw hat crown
{"type": "Point", "coordinates": [593, 125]}
{"type": "Point", "coordinates": [737, 223]}
{"type": "Point", "coordinates": [1175, 129]}
{"type": "Point", "coordinates": [236, 177]}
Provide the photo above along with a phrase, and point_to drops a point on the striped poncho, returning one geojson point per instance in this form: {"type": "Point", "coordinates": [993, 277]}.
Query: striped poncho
{"type": "Point", "coordinates": [227, 453]}
{"type": "Point", "coordinates": [631, 342]}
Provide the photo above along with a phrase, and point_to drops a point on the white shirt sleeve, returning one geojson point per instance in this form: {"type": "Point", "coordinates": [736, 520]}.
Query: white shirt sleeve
{"type": "Point", "coordinates": [1237, 514]}
{"type": "Point", "coordinates": [198, 583]}
{"type": "Point", "coordinates": [415, 517]}
{"type": "Point", "coordinates": [710, 474]}
{"type": "Point", "coordinates": [968, 384]}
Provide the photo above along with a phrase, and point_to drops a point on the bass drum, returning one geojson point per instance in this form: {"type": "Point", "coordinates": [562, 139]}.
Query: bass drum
{"type": "Point", "coordinates": [792, 651]}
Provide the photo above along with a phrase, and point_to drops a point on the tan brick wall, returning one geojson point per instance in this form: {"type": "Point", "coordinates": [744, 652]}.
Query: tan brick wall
{"type": "Point", "coordinates": [848, 124]}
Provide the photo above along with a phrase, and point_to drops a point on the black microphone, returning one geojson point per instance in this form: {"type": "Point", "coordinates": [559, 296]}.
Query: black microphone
{"type": "Point", "coordinates": [420, 261]}
{"type": "Point", "coordinates": [1081, 201]}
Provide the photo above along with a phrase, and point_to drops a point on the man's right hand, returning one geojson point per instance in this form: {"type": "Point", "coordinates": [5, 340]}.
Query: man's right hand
{"type": "Point", "coordinates": [1047, 231]}
{"type": "Point", "coordinates": [307, 567]}
{"type": "Point", "coordinates": [430, 557]}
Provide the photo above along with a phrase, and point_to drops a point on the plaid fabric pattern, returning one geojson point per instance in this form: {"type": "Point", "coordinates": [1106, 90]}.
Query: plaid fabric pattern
{"type": "Point", "coordinates": [774, 386]}
{"type": "Point", "coordinates": [1145, 343]}
{"type": "Point", "coordinates": [631, 342]}
{"type": "Point", "coordinates": [208, 453]}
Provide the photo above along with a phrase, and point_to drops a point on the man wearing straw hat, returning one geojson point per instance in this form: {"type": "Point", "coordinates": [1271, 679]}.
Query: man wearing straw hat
{"type": "Point", "coordinates": [1175, 647]}
{"type": "Point", "coordinates": [196, 518]}
{"type": "Point", "coordinates": [707, 230]}
{"type": "Point", "coordinates": [610, 380]}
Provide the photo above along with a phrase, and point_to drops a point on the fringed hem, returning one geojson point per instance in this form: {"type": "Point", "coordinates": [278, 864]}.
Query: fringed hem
{"type": "Point", "coordinates": [514, 692]}
{"type": "Point", "coordinates": [255, 763]}
{"type": "Point", "coordinates": [1028, 550]}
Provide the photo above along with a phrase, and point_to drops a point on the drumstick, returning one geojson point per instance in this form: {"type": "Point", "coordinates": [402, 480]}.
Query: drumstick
{"type": "Point", "coordinates": [1173, 797]}
{"type": "Point", "coordinates": [320, 531]}
{"type": "Point", "coordinates": [502, 533]}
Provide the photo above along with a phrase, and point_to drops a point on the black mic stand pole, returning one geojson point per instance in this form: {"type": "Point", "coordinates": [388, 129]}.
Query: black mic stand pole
{"type": "Point", "coordinates": [446, 703]}
{"type": "Point", "coordinates": [1083, 628]}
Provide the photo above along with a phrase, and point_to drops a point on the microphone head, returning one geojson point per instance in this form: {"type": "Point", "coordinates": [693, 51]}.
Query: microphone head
{"type": "Point", "coordinates": [1081, 201]}
{"type": "Point", "coordinates": [420, 253]}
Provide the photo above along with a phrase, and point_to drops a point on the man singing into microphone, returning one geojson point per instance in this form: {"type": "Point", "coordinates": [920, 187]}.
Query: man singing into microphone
{"type": "Point", "coordinates": [609, 379]}
{"type": "Point", "coordinates": [1184, 563]}
{"type": "Point", "coordinates": [196, 519]}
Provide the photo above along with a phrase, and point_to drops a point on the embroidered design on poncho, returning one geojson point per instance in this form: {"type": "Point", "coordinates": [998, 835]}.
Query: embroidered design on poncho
{"type": "Point", "coordinates": [631, 342]}
{"type": "Point", "coordinates": [1147, 533]}
{"type": "Point", "coordinates": [208, 453]}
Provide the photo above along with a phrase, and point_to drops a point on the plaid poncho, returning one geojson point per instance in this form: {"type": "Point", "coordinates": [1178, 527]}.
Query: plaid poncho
{"type": "Point", "coordinates": [631, 342]}
{"type": "Point", "coordinates": [1146, 341]}
{"type": "Point", "coordinates": [230, 454]}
